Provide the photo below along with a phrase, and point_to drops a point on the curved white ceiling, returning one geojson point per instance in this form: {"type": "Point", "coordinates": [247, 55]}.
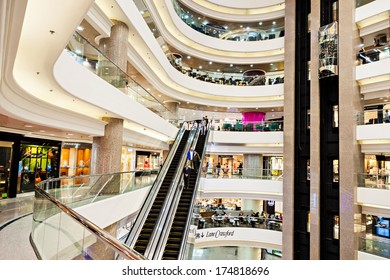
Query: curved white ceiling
{"type": "Point", "coordinates": [148, 57]}
{"type": "Point", "coordinates": [29, 90]}
{"type": "Point", "coordinates": [235, 14]}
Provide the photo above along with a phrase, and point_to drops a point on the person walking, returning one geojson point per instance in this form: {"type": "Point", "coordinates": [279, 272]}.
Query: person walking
{"type": "Point", "coordinates": [190, 158]}
{"type": "Point", "coordinates": [218, 169]}
{"type": "Point", "coordinates": [186, 174]}
{"type": "Point", "coordinates": [196, 160]}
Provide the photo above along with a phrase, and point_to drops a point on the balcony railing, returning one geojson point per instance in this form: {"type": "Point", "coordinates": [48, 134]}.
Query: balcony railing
{"type": "Point", "coordinates": [374, 54]}
{"type": "Point", "coordinates": [93, 59]}
{"type": "Point", "coordinates": [264, 126]}
{"type": "Point", "coordinates": [376, 181]}
{"type": "Point", "coordinates": [376, 116]}
{"type": "Point", "coordinates": [60, 232]}
{"type": "Point", "coordinates": [375, 247]}
{"type": "Point", "coordinates": [226, 30]}
{"type": "Point", "coordinates": [243, 173]}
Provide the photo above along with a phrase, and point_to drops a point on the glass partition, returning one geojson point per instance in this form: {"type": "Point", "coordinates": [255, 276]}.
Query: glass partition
{"type": "Point", "coordinates": [92, 59]}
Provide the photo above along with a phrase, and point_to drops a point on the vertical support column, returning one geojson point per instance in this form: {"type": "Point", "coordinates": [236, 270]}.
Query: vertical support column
{"type": "Point", "coordinates": [315, 130]}
{"type": "Point", "coordinates": [252, 165]}
{"type": "Point", "coordinates": [107, 150]}
{"type": "Point", "coordinates": [289, 128]}
{"type": "Point", "coordinates": [351, 158]}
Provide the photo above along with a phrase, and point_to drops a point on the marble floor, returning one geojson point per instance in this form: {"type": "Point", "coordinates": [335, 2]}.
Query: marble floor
{"type": "Point", "coordinates": [15, 228]}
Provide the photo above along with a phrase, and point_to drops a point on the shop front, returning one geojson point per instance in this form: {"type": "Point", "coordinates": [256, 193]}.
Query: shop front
{"type": "Point", "coordinates": [148, 160]}
{"type": "Point", "coordinates": [75, 159]}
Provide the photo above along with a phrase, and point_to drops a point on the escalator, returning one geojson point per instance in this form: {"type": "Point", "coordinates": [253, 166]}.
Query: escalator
{"type": "Point", "coordinates": [176, 235]}
{"type": "Point", "coordinates": [150, 222]}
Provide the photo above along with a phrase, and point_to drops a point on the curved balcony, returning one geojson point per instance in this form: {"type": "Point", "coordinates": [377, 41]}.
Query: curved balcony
{"type": "Point", "coordinates": [248, 31]}
{"type": "Point", "coordinates": [238, 10]}
{"type": "Point", "coordinates": [162, 19]}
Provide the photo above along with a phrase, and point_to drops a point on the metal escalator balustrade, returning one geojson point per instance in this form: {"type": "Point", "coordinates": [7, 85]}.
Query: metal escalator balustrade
{"type": "Point", "coordinates": [182, 213]}
{"type": "Point", "coordinates": [162, 199]}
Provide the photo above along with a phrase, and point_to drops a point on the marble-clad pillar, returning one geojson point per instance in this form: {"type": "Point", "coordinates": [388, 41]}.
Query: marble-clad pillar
{"type": "Point", "coordinates": [315, 132]}
{"type": "Point", "coordinates": [289, 128]}
{"type": "Point", "coordinates": [351, 158]}
{"type": "Point", "coordinates": [107, 149]}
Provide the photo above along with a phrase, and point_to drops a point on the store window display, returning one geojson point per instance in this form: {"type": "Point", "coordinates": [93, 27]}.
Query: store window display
{"type": "Point", "coordinates": [75, 159]}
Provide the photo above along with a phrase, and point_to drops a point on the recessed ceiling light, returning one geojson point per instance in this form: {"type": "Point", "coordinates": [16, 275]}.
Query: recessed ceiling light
{"type": "Point", "coordinates": [385, 100]}
{"type": "Point", "coordinates": [218, 70]}
{"type": "Point", "coordinates": [260, 23]}
{"type": "Point", "coordinates": [276, 68]}
{"type": "Point", "coordinates": [273, 110]}
{"type": "Point", "coordinates": [210, 62]}
{"type": "Point", "coordinates": [27, 125]}
{"type": "Point", "coordinates": [240, 71]}
{"type": "Point", "coordinates": [240, 26]}
{"type": "Point", "coordinates": [142, 12]}
{"type": "Point", "coordinates": [188, 57]}
{"type": "Point", "coordinates": [231, 65]}
{"type": "Point", "coordinates": [273, 22]}
{"type": "Point", "coordinates": [80, 28]}
{"type": "Point", "coordinates": [257, 108]}
{"type": "Point", "coordinates": [251, 65]}
{"type": "Point", "coordinates": [200, 67]}
{"type": "Point", "coordinates": [272, 30]}
{"type": "Point", "coordinates": [70, 134]}
{"type": "Point", "coordinates": [159, 95]}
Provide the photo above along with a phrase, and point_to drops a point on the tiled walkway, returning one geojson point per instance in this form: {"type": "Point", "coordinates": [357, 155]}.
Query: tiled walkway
{"type": "Point", "coordinates": [15, 228]}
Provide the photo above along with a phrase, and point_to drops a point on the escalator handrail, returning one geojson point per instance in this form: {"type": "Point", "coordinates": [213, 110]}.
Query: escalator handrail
{"type": "Point", "coordinates": [194, 196]}
{"type": "Point", "coordinates": [172, 192]}
{"type": "Point", "coordinates": [166, 229]}
{"type": "Point", "coordinates": [99, 233]}
{"type": "Point", "coordinates": [148, 202]}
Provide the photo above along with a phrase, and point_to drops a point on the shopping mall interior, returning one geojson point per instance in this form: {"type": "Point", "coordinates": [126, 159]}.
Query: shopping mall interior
{"type": "Point", "coordinates": [195, 130]}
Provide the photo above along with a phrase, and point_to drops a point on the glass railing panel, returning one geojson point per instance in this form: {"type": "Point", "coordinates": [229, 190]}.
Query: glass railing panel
{"type": "Point", "coordinates": [242, 173]}
{"type": "Point", "coordinates": [360, 3]}
{"type": "Point", "coordinates": [376, 181]}
{"type": "Point", "coordinates": [378, 248]}
{"type": "Point", "coordinates": [251, 31]}
{"type": "Point", "coordinates": [216, 77]}
{"type": "Point", "coordinates": [81, 190]}
{"type": "Point", "coordinates": [92, 59]}
{"type": "Point", "coordinates": [374, 54]}
{"type": "Point", "coordinates": [264, 126]}
{"type": "Point", "coordinates": [377, 116]}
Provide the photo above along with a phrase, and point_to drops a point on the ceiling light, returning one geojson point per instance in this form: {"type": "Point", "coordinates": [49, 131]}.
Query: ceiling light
{"type": "Point", "coordinates": [188, 102]}
{"type": "Point", "coordinates": [27, 125]}
{"type": "Point", "coordinates": [276, 68]}
{"type": "Point", "coordinates": [272, 30]}
{"type": "Point", "coordinates": [240, 26]}
{"type": "Point", "coordinates": [148, 89]}
{"type": "Point", "coordinates": [142, 12]}
{"type": "Point", "coordinates": [42, 130]}
{"type": "Point", "coordinates": [260, 23]}
{"type": "Point", "coordinates": [78, 51]}
{"type": "Point", "coordinates": [271, 64]}
{"type": "Point", "coordinates": [199, 18]}
{"type": "Point", "coordinates": [80, 28]}
{"type": "Point", "coordinates": [257, 108]}
{"type": "Point", "coordinates": [210, 62]}
{"type": "Point", "coordinates": [231, 65]}
{"type": "Point", "coordinates": [226, 27]}
{"type": "Point", "coordinates": [188, 57]}
{"type": "Point", "coordinates": [200, 67]}
{"type": "Point", "coordinates": [51, 134]}
{"type": "Point", "coordinates": [159, 95]}
{"type": "Point", "coordinates": [240, 71]}
{"type": "Point", "coordinates": [273, 110]}
{"type": "Point", "coordinates": [385, 100]}
{"type": "Point", "coordinates": [218, 70]}
{"type": "Point", "coordinates": [251, 65]}
{"type": "Point", "coordinates": [273, 22]}
{"type": "Point", "coordinates": [70, 134]}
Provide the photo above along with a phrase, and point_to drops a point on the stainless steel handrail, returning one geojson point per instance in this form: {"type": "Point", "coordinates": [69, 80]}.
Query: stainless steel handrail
{"type": "Point", "coordinates": [160, 227]}
{"type": "Point", "coordinates": [170, 215]}
{"type": "Point", "coordinates": [143, 213]}
{"type": "Point", "coordinates": [189, 217]}
{"type": "Point", "coordinates": [102, 235]}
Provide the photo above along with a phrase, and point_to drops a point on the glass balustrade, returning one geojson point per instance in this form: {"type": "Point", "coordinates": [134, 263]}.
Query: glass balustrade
{"type": "Point", "coordinates": [360, 3]}
{"type": "Point", "coordinates": [373, 54]}
{"type": "Point", "coordinates": [376, 181]}
{"type": "Point", "coordinates": [264, 126]}
{"type": "Point", "coordinates": [377, 116]}
{"type": "Point", "coordinates": [92, 59]}
{"type": "Point", "coordinates": [59, 232]}
{"type": "Point", "coordinates": [243, 173]}
{"type": "Point", "coordinates": [375, 247]}
{"type": "Point", "coordinates": [253, 31]}
{"type": "Point", "coordinates": [250, 77]}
